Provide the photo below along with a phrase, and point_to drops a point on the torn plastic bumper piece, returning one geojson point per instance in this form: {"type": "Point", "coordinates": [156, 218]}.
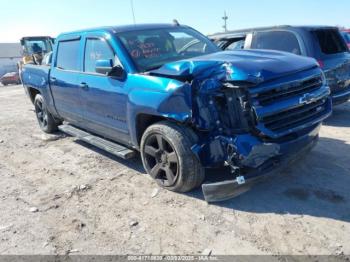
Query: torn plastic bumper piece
{"type": "Point", "coordinates": [221, 191]}
{"type": "Point", "coordinates": [225, 190]}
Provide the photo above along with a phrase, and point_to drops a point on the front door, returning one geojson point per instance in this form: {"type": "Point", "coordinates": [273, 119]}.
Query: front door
{"type": "Point", "coordinates": [104, 98]}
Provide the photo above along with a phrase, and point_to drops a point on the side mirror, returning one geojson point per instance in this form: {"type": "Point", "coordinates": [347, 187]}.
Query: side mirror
{"type": "Point", "coordinates": [117, 72]}
{"type": "Point", "coordinates": [104, 67]}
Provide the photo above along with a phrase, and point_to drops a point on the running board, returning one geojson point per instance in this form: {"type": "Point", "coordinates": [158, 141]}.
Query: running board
{"type": "Point", "coordinates": [106, 145]}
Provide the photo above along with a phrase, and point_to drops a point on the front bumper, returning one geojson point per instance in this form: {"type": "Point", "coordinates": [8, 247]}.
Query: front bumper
{"type": "Point", "coordinates": [341, 97]}
{"type": "Point", "coordinates": [266, 160]}
{"type": "Point", "coordinates": [339, 86]}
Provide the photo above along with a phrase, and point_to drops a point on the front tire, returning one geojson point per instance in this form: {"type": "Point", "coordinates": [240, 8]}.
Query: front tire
{"type": "Point", "coordinates": [46, 122]}
{"type": "Point", "coordinates": [167, 157]}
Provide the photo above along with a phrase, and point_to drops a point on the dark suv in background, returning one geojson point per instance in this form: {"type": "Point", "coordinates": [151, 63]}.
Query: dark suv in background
{"type": "Point", "coordinates": [325, 44]}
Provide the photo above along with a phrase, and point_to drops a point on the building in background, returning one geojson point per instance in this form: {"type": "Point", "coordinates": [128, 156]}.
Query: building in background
{"type": "Point", "coordinates": [10, 55]}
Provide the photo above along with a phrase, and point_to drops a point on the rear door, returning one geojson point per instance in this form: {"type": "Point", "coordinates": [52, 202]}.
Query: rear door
{"type": "Point", "coordinates": [104, 98]}
{"type": "Point", "coordinates": [334, 57]}
{"type": "Point", "coordinates": [64, 79]}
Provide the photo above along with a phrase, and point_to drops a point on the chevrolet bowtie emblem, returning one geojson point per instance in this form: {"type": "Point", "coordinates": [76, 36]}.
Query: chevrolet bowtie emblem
{"type": "Point", "coordinates": [307, 99]}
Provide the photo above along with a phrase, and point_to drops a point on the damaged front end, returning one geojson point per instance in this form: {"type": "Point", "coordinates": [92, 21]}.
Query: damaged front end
{"type": "Point", "coordinates": [226, 113]}
{"type": "Point", "coordinates": [224, 116]}
{"type": "Point", "coordinates": [252, 121]}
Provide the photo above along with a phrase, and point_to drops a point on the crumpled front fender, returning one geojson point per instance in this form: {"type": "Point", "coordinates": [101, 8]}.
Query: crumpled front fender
{"type": "Point", "coordinates": [173, 102]}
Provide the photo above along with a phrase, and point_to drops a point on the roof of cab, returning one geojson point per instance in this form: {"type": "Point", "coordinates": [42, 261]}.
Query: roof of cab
{"type": "Point", "coordinates": [241, 31]}
{"type": "Point", "coordinates": [123, 28]}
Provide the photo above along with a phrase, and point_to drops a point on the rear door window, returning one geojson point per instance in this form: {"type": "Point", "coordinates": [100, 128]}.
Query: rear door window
{"type": "Point", "coordinates": [68, 55]}
{"type": "Point", "coordinates": [277, 40]}
{"type": "Point", "coordinates": [96, 49]}
{"type": "Point", "coordinates": [330, 41]}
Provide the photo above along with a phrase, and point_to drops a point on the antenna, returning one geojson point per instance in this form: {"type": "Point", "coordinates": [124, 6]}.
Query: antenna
{"type": "Point", "coordinates": [133, 11]}
{"type": "Point", "coordinates": [225, 18]}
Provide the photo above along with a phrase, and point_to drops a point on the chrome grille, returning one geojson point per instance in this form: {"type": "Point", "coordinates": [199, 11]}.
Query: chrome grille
{"type": "Point", "coordinates": [294, 117]}
{"type": "Point", "coordinates": [289, 90]}
{"type": "Point", "coordinates": [286, 105]}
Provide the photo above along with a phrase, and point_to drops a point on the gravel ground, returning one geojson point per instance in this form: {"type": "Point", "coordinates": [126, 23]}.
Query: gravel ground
{"type": "Point", "coordinates": [59, 196]}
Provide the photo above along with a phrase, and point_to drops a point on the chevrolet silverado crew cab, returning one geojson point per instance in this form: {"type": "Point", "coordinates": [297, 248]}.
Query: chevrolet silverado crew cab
{"type": "Point", "coordinates": [184, 106]}
{"type": "Point", "coordinates": [324, 43]}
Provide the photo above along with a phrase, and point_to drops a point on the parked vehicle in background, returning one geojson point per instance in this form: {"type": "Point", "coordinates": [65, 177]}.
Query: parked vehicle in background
{"type": "Point", "coordinates": [35, 48]}
{"type": "Point", "coordinates": [323, 43]}
{"type": "Point", "coordinates": [11, 78]}
{"type": "Point", "coordinates": [170, 93]}
{"type": "Point", "coordinates": [346, 34]}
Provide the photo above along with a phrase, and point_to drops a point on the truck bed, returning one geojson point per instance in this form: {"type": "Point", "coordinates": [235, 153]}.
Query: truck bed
{"type": "Point", "coordinates": [35, 76]}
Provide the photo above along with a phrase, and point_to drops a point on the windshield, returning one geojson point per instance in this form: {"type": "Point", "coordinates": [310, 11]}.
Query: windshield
{"type": "Point", "coordinates": [150, 49]}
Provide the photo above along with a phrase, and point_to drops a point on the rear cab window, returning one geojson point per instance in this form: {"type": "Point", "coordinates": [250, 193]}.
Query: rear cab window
{"type": "Point", "coordinates": [277, 40]}
{"type": "Point", "coordinates": [330, 41]}
{"type": "Point", "coordinates": [68, 55]}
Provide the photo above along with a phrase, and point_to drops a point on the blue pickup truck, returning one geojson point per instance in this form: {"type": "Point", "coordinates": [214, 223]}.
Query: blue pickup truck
{"type": "Point", "coordinates": [170, 93]}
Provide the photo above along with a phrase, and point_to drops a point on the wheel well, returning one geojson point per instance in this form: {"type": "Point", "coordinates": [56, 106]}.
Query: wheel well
{"type": "Point", "coordinates": [143, 121]}
{"type": "Point", "coordinates": [32, 93]}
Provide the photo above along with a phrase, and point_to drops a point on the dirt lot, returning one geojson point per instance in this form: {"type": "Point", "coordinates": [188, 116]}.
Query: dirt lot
{"type": "Point", "coordinates": [58, 195]}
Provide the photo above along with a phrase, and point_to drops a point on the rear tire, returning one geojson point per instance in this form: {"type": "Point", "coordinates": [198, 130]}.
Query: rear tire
{"type": "Point", "coordinates": [46, 122]}
{"type": "Point", "coordinates": [167, 157]}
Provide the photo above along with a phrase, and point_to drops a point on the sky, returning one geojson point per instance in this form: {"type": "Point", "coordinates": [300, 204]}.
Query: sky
{"type": "Point", "coordinates": [50, 17]}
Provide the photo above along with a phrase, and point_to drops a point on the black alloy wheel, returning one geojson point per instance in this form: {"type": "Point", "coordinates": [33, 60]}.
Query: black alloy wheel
{"type": "Point", "coordinates": [46, 121]}
{"type": "Point", "coordinates": [41, 114]}
{"type": "Point", "coordinates": [161, 159]}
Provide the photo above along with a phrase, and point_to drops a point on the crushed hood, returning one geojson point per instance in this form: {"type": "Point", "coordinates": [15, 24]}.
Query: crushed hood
{"type": "Point", "coordinates": [253, 66]}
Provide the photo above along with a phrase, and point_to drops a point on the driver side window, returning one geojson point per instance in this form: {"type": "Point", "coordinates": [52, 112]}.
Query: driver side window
{"type": "Point", "coordinates": [96, 49]}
